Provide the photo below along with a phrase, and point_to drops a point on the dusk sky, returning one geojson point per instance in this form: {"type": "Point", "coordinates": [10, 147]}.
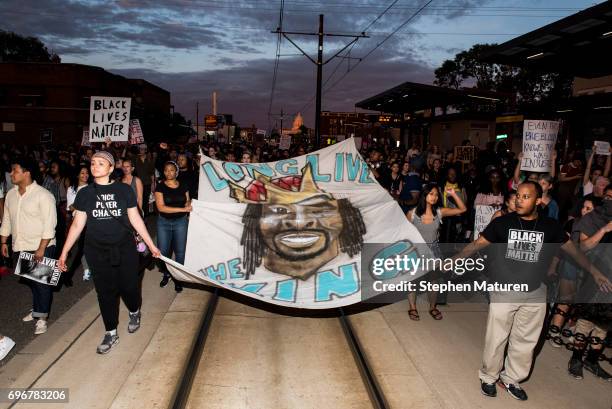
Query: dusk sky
{"type": "Point", "coordinates": [192, 48]}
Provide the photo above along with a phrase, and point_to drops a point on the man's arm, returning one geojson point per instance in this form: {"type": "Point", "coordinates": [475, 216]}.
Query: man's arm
{"type": "Point", "coordinates": [581, 259]}
{"type": "Point", "coordinates": [40, 252]}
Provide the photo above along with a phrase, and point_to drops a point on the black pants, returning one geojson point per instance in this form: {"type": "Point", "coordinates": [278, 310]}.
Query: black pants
{"type": "Point", "coordinates": [115, 274]}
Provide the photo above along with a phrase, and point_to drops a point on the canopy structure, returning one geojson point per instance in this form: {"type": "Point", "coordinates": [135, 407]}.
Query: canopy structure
{"type": "Point", "coordinates": [579, 45]}
{"type": "Point", "coordinates": [412, 96]}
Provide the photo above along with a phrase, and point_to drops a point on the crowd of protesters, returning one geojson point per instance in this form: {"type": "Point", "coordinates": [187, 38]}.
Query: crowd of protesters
{"type": "Point", "coordinates": [107, 190]}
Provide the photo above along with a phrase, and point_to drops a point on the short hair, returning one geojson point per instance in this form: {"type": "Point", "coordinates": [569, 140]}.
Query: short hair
{"type": "Point", "coordinates": [536, 186]}
{"type": "Point", "coordinates": [27, 165]}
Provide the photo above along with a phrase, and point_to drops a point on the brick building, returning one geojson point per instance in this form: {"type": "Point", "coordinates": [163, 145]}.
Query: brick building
{"type": "Point", "coordinates": [39, 101]}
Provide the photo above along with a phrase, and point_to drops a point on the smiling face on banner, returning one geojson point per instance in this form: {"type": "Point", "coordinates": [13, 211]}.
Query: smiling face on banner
{"type": "Point", "coordinates": [293, 226]}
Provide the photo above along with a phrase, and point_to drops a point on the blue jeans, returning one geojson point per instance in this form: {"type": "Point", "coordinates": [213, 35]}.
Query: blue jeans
{"type": "Point", "coordinates": [172, 238]}
{"type": "Point", "coordinates": [42, 294]}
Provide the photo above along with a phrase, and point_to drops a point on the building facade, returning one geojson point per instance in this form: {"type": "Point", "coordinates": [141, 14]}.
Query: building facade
{"type": "Point", "coordinates": [49, 102]}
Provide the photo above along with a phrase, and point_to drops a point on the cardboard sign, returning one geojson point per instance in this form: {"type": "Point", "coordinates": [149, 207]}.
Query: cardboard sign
{"type": "Point", "coordinates": [484, 214]}
{"type": "Point", "coordinates": [602, 148]}
{"type": "Point", "coordinates": [465, 153]}
{"type": "Point", "coordinates": [539, 138]}
{"type": "Point", "coordinates": [285, 142]}
{"type": "Point", "coordinates": [109, 117]}
{"type": "Point", "coordinates": [85, 138]}
{"type": "Point", "coordinates": [136, 136]}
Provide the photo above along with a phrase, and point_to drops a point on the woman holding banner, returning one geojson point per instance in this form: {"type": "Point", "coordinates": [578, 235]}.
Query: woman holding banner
{"type": "Point", "coordinates": [110, 210]}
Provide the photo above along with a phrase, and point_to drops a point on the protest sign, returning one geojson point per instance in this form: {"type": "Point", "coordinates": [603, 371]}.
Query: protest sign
{"type": "Point", "coordinates": [109, 117]}
{"type": "Point", "coordinates": [465, 153]}
{"type": "Point", "coordinates": [291, 232]}
{"type": "Point", "coordinates": [539, 138]}
{"type": "Point", "coordinates": [484, 214]}
{"type": "Point", "coordinates": [285, 142]}
{"type": "Point", "coordinates": [136, 136]}
{"type": "Point", "coordinates": [602, 148]}
{"type": "Point", "coordinates": [85, 138]}
{"type": "Point", "coordinates": [45, 272]}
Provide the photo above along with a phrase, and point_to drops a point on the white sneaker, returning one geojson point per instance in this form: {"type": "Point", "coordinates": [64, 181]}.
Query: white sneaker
{"type": "Point", "coordinates": [28, 317]}
{"type": "Point", "coordinates": [41, 327]}
{"type": "Point", "coordinates": [6, 344]}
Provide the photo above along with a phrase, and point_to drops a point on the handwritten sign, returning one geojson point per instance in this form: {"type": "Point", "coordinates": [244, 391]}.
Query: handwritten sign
{"type": "Point", "coordinates": [484, 214]}
{"type": "Point", "coordinates": [465, 153]}
{"type": "Point", "coordinates": [602, 148]}
{"type": "Point", "coordinates": [539, 138]}
{"type": "Point", "coordinates": [136, 135]}
{"type": "Point", "coordinates": [109, 117]}
{"type": "Point", "coordinates": [85, 139]}
{"type": "Point", "coordinates": [285, 142]}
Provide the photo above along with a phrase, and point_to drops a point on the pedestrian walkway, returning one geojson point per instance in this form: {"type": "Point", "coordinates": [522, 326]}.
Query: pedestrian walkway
{"type": "Point", "coordinates": [259, 359]}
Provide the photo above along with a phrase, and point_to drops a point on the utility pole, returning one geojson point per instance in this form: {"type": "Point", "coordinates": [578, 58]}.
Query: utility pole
{"type": "Point", "coordinates": [319, 82]}
{"type": "Point", "coordinates": [282, 116]}
{"type": "Point", "coordinates": [320, 62]}
{"type": "Point", "coordinates": [198, 120]}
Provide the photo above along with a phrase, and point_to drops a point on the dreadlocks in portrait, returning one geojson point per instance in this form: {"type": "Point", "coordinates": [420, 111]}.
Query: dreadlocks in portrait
{"type": "Point", "coordinates": [294, 227]}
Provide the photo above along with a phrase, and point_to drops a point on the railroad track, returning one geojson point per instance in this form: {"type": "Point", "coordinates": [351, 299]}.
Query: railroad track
{"type": "Point", "coordinates": [190, 374]}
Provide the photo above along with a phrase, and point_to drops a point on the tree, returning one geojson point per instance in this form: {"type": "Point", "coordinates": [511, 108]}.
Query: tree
{"type": "Point", "coordinates": [525, 86]}
{"type": "Point", "coordinates": [448, 75]}
{"type": "Point", "coordinates": [17, 48]}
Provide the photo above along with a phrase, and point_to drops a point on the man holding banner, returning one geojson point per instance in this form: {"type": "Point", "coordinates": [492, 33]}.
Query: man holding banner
{"type": "Point", "coordinates": [30, 217]}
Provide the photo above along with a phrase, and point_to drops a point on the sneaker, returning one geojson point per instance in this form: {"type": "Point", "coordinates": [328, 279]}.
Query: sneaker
{"type": "Point", "coordinates": [41, 327]}
{"type": "Point", "coordinates": [164, 281]}
{"type": "Point", "coordinates": [178, 287]}
{"type": "Point", "coordinates": [6, 344]}
{"type": "Point", "coordinates": [86, 275]}
{"type": "Point", "coordinates": [108, 343]}
{"type": "Point", "coordinates": [134, 323]}
{"type": "Point", "coordinates": [28, 318]}
{"type": "Point", "coordinates": [488, 389]}
{"type": "Point", "coordinates": [515, 391]}
{"type": "Point", "coordinates": [574, 367]}
{"type": "Point", "coordinates": [553, 338]}
{"type": "Point", "coordinates": [597, 370]}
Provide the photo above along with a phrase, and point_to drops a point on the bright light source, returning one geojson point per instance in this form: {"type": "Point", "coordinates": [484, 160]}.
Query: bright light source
{"type": "Point", "coordinates": [605, 107]}
{"type": "Point", "coordinates": [405, 95]}
{"type": "Point", "coordinates": [502, 136]}
{"type": "Point", "coordinates": [565, 110]}
{"type": "Point", "coordinates": [397, 143]}
{"type": "Point", "coordinates": [535, 56]}
{"type": "Point", "coordinates": [607, 34]}
{"type": "Point", "coordinates": [479, 97]}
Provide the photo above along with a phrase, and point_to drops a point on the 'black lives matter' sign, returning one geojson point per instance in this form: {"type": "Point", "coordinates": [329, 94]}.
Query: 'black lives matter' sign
{"type": "Point", "coordinates": [109, 117]}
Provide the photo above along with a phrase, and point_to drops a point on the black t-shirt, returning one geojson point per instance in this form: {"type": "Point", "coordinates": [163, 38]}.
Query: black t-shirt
{"type": "Point", "coordinates": [173, 197]}
{"type": "Point", "coordinates": [518, 253]}
{"type": "Point", "coordinates": [106, 208]}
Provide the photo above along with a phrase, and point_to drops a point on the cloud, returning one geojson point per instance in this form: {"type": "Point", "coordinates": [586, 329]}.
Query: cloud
{"type": "Point", "coordinates": [244, 91]}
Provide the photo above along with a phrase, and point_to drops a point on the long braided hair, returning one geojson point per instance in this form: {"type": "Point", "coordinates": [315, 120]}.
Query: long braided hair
{"type": "Point", "coordinates": [254, 247]}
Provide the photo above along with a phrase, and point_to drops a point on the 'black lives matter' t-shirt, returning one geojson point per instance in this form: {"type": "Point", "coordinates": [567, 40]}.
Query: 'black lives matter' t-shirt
{"type": "Point", "coordinates": [106, 208]}
{"type": "Point", "coordinates": [519, 255]}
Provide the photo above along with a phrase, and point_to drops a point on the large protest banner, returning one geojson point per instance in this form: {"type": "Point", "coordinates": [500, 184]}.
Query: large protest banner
{"type": "Point", "coordinates": [45, 272]}
{"type": "Point", "coordinates": [109, 117]}
{"type": "Point", "coordinates": [290, 232]}
{"type": "Point", "coordinates": [539, 138]}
